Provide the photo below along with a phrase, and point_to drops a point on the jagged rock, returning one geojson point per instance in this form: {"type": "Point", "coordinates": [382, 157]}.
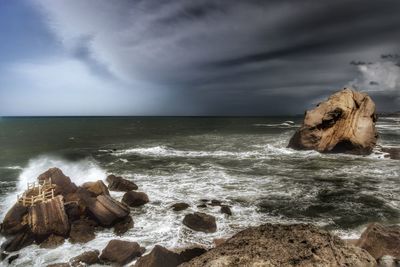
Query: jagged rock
{"type": "Point", "coordinates": [96, 188]}
{"type": "Point", "coordinates": [345, 123]}
{"type": "Point", "coordinates": [63, 183]}
{"type": "Point", "coordinates": [135, 199]}
{"type": "Point", "coordinates": [159, 257]}
{"type": "Point", "coordinates": [82, 231]}
{"type": "Point", "coordinates": [116, 183]}
{"type": "Point", "coordinates": [20, 240]}
{"type": "Point", "coordinates": [121, 252]}
{"type": "Point", "coordinates": [48, 218]}
{"type": "Point", "coordinates": [123, 226]}
{"type": "Point", "coordinates": [202, 222]}
{"type": "Point", "coordinates": [393, 152]}
{"type": "Point", "coordinates": [107, 210]}
{"type": "Point", "coordinates": [381, 240]}
{"type": "Point", "coordinates": [284, 245]}
{"type": "Point", "coordinates": [53, 241]}
{"type": "Point", "coordinates": [86, 258]}
{"type": "Point", "coordinates": [180, 206]}
{"type": "Point", "coordinates": [226, 210]}
{"type": "Point", "coordinates": [14, 220]}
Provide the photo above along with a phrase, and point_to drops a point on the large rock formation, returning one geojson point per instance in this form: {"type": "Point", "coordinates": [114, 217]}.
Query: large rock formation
{"type": "Point", "coordinates": [345, 123]}
{"type": "Point", "coordinates": [107, 211]}
{"type": "Point", "coordinates": [63, 183]}
{"type": "Point", "coordinates": [284, 245]}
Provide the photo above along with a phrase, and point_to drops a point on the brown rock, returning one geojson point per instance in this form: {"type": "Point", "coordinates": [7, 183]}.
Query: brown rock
{"type": "Point", "coordinates": [283, 245]}
{"type": "Point", "coordinates": [393, 152]}
{"type": "Point", "coordinates": [116, 183]}
{"type": "Point", "coordinates": [218, 241]}
{"type": "Point", "coordinates": [345, 123]}
{"type": "Point", "coordinates": [86, 258]}
{"type": "Point", "coordinates": [73, 211]}
{"type": "Point", "coordinates": [159, 257]}
{"type": "Point", "coordinates": [191, 253]}
{"type": "Point", "coordinates": [61, 264]}
{"type": "Point", "coordinates": [63, 183]}
{"type": "Point", "coordinates": [121, 252]}
{"type": "Point", "coordinates": [107, 210]}
{"type": "Point", "coordinates": [180, 206]}
{"type": "Point", "coordinates": [226, 210]}
{"type": "Point", "coordinates": [53, 241]}
{"type": "Point", "coordinates": [381, 240]}
{"type": "Point", "coordinates": [123, 226]}
{"type": "Point", "coordinates": [14, 220]}
{"type": "Point", "coordinates": [96, 188]}
{"type": "Point", "coordinates": [202, 222]}
{"type": "Point", "coordinates": [20, 240]}
{"type": "Point", "coordinates": [135, 199]}
{"type": "Point", "coordinates": [82, 231]}
{"type": "Point", "coordinates": [48, 218]}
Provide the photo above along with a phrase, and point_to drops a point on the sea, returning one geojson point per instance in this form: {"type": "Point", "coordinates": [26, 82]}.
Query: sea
{"type": "Point", "coordinates": [242, 161]}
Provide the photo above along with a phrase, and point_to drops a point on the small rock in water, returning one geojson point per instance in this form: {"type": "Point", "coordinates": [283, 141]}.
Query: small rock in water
{"type": "Point", "coordinates": [202, 206]}
{"type": "Point", "coordinates": [87, 258]}
{"type": "Point", "coordinates": [180, 206]}
{"type": "Point", "coordinates": [135, 199]}
{"type": "Point", "coordinates": [202, 222]}
{"type": "Point", "coordinates": [13, 258]}
{"type": "Point", "coordinates": [226, 210]}
{"type": "Point", "coordinates": [117, 183]}
{"type": "Point", "coordinates": [123, 226]}
{"type": "Point", "coordinates": [121, 252]}
{"type": "Point", "coordinates": [53, 241]}
{"type": "Point", "coordinates": [215, 202]}
{"type": "Point", "coordinates": [393, 152]}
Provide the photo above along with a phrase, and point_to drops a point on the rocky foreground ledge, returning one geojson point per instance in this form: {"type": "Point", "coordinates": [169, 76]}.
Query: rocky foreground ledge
{"type": "Point", "coordinates": [55, 209]}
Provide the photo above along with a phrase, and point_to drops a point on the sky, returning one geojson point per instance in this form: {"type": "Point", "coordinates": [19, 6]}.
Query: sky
{"type": "Point", "coordinates": [188, 58]}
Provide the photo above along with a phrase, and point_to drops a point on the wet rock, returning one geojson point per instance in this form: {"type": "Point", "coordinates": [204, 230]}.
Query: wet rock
{"type": "Point", "coordinates": [123, 226]}
{"type": "Point", "coordinates": [215, 202]}
{"type": "Point", "coordinates": [135, 199]}
{"type": "Point", "coordinates": [381, 240]}
{"type": "Point", "coordinates": [20, 240]}
{"type": "Point", "coordinates": [12, 258]}
{"type": "Point", "coordinates": [159, 257]}
{"type": "Point", "coordinates": [48, 218]}
{"type": "Point", "coordinates": [202, 206]}
{"type": "Point", "coordinates": [121, 252]}
{"type": "Point", "coordinates": [96, 188]}
{"type": "Point", "coordinates": [61, 264]}
{"type": "Point", "coordinates": [82, 231]}
{"type": "Point", "coordinates": [345, 123]}
{"type": "Point", "coordinates": [226, 210]}
{"type": "Point", "coordinates": [202, 222]}
{"type": "Point", "coordinates": [393, 152]}
{"type": "Point", "coordinates": [218, 241]}
{"type": "Point", "coordinates": [180, 206]}
{"type": "Point", "coordinates": [191, 253]}
{"type": "Point", "coordinates": [283, 245]}
{"type": "Point", "coordinates": [53, 241]}
{"type": "Point", "coordinates": [86, 258]}
{"type": "Point", "coordinates": [3, 255]}
{"type": "Point", "coordinates": [107, 211]}
{"type": "Point", "coordinates": [116, 183]}
{"type": "Point", "coordinates": [63, 183]}
{"type": "Point", "coordinates": [14, 220]}
{"type": "Point", "coordinates": [73, 211]}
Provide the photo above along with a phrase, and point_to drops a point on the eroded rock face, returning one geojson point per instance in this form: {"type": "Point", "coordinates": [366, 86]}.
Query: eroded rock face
{"type": "Point", "coordinates": [202, 222]}
{"type": "Point", "coordinates": [381, 240]}
{"type": "Point", "coordinates": [283, 245]}
{"type": "Point", "coordinates": [121, 252]}
{"type": "Point", "coordinates": [117, 183]}
{"type": "Point", "coordinates": [345, 123]}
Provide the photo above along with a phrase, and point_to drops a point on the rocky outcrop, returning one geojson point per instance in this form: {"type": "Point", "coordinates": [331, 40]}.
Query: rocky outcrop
{"type": "Point", "coordinates": [345, 123]}
{"type": "Point", "coordinates": [86, 258]}
{"type": "Point", "coordinates": [63, 183]}
{"type": "Point", "coordinates": [284, 245]}
{"type": "Point", "coordinates": [381, 240]}
{"type": "Point", "coordinates": [15, 219]}
{"type": "Point", "coordinates": [135, 199]}
{"type": "Point", "coordinates": [117, 183]}
{"type": "Point", "coordinates": [121, 252]}
{"type": "Point", "coordinates": [106, 210]}
{"type": "Point", "coordinates": [96, 188]}
{"type": "Point", "coordinates": [202, 222]}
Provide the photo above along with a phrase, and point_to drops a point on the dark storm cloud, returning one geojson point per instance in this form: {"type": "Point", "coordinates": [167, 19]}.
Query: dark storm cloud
{"type": "Point", "coordinates": [236, 57]}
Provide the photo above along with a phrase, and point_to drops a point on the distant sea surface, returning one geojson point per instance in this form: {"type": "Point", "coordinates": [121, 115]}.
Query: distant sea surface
{"type": "Point", "coordinates": [243, 162]}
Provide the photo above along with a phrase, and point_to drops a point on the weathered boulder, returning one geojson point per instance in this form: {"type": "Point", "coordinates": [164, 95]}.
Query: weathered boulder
{"type": "Point", "coordinates": [135, 199]}
{"type": "Point", "coordinates": [381, 240]}
{"type": "Point", "coordinates": [20, 240]}
{"type": "Point", "coordinates": [82, 231]}
{"type": "Point", "coordinates": [48, 218]}
{"type": "Point", "coordinates": [96, 188]}
{"type": "Point", "coordinates": [159, 257]}
{"type": "Point", "coordinates": [52, 241]}
{"type": "Point", "coordinates": [345, 123]}
{"type": "Point", "coordinates": [180, 206]}
{"type": "Point", "coordinates": [63, 183]}
{"type": "Point", "coordinates": [202, 222]}
{"type": "Point", "coordinates": [284, 245]}
{"type": "Point", "coordinates": [107, 211]}
{"type": "Point", "coordinates": [121, 252]}
{"type": "Point", "coordinates": [123, 226]}
{"type": "Point", "coordinates": [14, 220]}
{"type": "Point", "coordinates": [117, 183]}
{"type": "Point", "coordinates": [86, 258]}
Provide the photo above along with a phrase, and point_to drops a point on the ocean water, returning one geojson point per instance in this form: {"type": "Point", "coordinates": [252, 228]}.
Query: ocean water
{"type": "Point", "coordinates": [243, 162]}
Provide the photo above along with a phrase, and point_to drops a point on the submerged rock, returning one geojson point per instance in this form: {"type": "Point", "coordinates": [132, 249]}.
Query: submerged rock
{"type": "Point", "coordinates": [52, 241]}
{"type": "Point", "coordinates": [381, 240]}
{"type": "Point", "coordinates": [283, 245]}
{"type": "Point", "coordinates": [392, 152]}
{"type": "Point", "coordinates": [345, 123]}
{"type": "Point", "coordinates": [226, 210]}
{"type": "Point", "coordinates": [202, 222]}
{"type": "Point", "coordinates": [86, 258]}
{"type": "Point", "coordinates": [116, 183]}
{"type": "Point", "coordinates": [123, 226]}
{"type": "Point", "coordinates": [121, 252]}
{"type": "Point", "coordinates": [135, 199]}
{"type": "Point", "coordinates": [180, 206]}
